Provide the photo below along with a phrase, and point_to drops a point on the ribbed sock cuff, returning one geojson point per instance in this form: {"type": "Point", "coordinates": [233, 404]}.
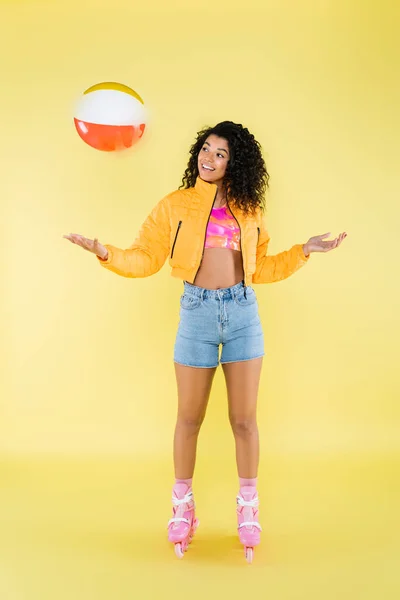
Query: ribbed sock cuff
{"type": "Point", "coordinates": [187, 481]}
{"type": "Point", "coordinates": [247, 482]}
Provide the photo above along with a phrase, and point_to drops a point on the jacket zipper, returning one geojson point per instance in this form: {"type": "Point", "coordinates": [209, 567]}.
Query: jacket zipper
{"type": "Point", "coordinates": [176, 235]}
{"type": "Point", "coordinates": [244, 274]}
{"type": "Point", "coordinates": [205, 236]}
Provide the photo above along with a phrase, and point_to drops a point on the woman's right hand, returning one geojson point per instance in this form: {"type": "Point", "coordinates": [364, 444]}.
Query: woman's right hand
{"type": "Point", "coordinates": [90, 245]}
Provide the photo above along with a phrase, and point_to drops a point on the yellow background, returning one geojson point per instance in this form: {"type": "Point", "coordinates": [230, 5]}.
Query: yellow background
{"type": "Point", "coordinates": [88, 391]}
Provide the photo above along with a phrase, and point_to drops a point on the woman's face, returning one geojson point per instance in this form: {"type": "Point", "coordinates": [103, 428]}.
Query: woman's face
{"type": "Point", "coordinates": [213, 159]}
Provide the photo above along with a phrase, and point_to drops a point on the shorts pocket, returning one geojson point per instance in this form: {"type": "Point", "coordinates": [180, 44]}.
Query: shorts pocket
{"type": "Point", "coordinates": [248, 299]}
{"type": "Point", "coordinates": [189, 302]}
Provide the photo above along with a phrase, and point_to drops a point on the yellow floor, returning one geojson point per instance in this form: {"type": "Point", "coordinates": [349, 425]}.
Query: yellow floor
{"type": "Point", "coordinates": [96, 529]}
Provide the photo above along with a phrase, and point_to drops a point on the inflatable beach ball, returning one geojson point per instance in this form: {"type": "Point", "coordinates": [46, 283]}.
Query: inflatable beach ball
{"type": "Point", "coordinates": [110, 116]}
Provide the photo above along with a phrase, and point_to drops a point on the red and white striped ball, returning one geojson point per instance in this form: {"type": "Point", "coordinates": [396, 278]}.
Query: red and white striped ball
{"type": "Point", "coordinates": [110, 116]}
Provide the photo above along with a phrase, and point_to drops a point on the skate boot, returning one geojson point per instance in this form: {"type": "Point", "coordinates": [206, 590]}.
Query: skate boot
{"type": "Point", "coordinates": [183, 524]}
{"type": "Point", "coordinates": [247, 514]}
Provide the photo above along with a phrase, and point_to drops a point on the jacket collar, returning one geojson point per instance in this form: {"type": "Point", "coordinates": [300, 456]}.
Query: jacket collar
{"type": "Point", "coordinates": [207, 192]}
{"type": "Point", "coordinates": [204, 189]}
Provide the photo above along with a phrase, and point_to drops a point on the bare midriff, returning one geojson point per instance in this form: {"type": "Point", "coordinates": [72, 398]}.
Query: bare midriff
{"type": "Point", "coordinates": [220, 268]}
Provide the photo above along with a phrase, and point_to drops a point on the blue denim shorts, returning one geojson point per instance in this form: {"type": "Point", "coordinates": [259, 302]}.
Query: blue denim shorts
{"type": "Point", "coordinates": [209, 319]}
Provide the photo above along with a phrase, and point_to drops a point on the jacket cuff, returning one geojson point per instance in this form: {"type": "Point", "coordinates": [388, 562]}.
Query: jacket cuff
{"type": "Point", "coordinates": [302, 255]}
{"type": "Point", "coordinates": [109, 257]}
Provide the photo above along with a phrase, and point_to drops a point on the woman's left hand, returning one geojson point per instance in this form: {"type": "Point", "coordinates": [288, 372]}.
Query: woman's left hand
{"type": "Point", "coordinates": [316, 243]}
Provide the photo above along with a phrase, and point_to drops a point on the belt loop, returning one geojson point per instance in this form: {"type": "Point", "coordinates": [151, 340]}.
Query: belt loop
{"type": "Point", "coordinates": [202, 294]}
{"type": "Point", "coordinates": [245, 287]}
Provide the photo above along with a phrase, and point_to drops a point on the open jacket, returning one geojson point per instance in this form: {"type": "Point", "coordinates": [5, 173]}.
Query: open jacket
{"type": "Point", "coordinates": [176, 229]}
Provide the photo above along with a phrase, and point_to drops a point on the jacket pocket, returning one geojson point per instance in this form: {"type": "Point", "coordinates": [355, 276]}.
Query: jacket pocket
{"type": "Point", "coordinates": [176, 237]}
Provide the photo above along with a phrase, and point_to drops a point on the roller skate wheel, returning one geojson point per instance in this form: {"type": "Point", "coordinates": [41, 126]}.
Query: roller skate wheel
{"type": "Point", "coordinates": [249, 553]}
{"type": "Point", "coordinates": [178, 550]}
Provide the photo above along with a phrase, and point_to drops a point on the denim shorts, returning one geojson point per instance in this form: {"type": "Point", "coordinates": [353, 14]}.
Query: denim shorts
{"type": "Point", "coordinates": [210, 318]}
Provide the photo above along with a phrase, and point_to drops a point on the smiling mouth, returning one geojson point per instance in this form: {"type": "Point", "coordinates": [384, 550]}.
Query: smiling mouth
{"type": "Point", "coordinates": [206, 168]}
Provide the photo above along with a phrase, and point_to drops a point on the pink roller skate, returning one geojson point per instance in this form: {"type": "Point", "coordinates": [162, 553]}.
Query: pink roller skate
{"type": "Point", "coordinates": [182, 526]}
{"type": "Point", "coordinates": [248, 526]}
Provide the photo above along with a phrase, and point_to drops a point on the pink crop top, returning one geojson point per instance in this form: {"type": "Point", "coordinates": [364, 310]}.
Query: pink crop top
{"type": "Point", "coordinates": [223, 230]}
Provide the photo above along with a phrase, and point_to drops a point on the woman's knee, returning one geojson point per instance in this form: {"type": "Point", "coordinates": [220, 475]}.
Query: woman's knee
{"type": "Point", "coordinates": [243, 426]}
{"type": "Point", "coordinates": [190, 424]}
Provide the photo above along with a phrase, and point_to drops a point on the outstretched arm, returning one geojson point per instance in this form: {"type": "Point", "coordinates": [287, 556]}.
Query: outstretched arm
{"type": "Point", "coordinates": [271, 268]}
{"type": "Point", "coordinates": [280, 266]}
{"type": "Point", "coordinates": [148, 252]}
{"type": "Point", "coordinates": [145, 256]}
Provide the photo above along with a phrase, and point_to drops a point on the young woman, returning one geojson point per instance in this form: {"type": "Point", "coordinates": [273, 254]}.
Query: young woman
{"type": "Point", "coordinates": [213, 232]}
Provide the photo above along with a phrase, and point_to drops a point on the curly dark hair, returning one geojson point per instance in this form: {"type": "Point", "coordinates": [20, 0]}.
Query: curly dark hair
{"type": "Point", "coordinates": [246, 177]}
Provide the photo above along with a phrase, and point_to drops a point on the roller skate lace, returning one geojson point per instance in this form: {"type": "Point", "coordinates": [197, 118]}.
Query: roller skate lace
{"type": "Point", "coordinates": [182, 505]}
{"type": "Point", "coordinates": [248, 512]}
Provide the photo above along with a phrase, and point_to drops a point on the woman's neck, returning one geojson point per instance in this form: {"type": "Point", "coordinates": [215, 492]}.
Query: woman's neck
{"type": "Point", "coordinates": [220, 199]}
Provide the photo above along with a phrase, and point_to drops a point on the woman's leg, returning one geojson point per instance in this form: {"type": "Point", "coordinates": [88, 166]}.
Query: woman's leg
{"type": "Point", "coordinates": [194, 386]}
{"type": "Point", "coordinates": [242, 382]}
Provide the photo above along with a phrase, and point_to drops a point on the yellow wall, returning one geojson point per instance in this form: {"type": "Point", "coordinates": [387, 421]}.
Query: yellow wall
{"type": "Point", "coordinates": [87, 355]}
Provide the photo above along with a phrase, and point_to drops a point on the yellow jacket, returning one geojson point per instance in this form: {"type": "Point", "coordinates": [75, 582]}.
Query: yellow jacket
{"type": "Point", "coordinates": [176, 228]}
